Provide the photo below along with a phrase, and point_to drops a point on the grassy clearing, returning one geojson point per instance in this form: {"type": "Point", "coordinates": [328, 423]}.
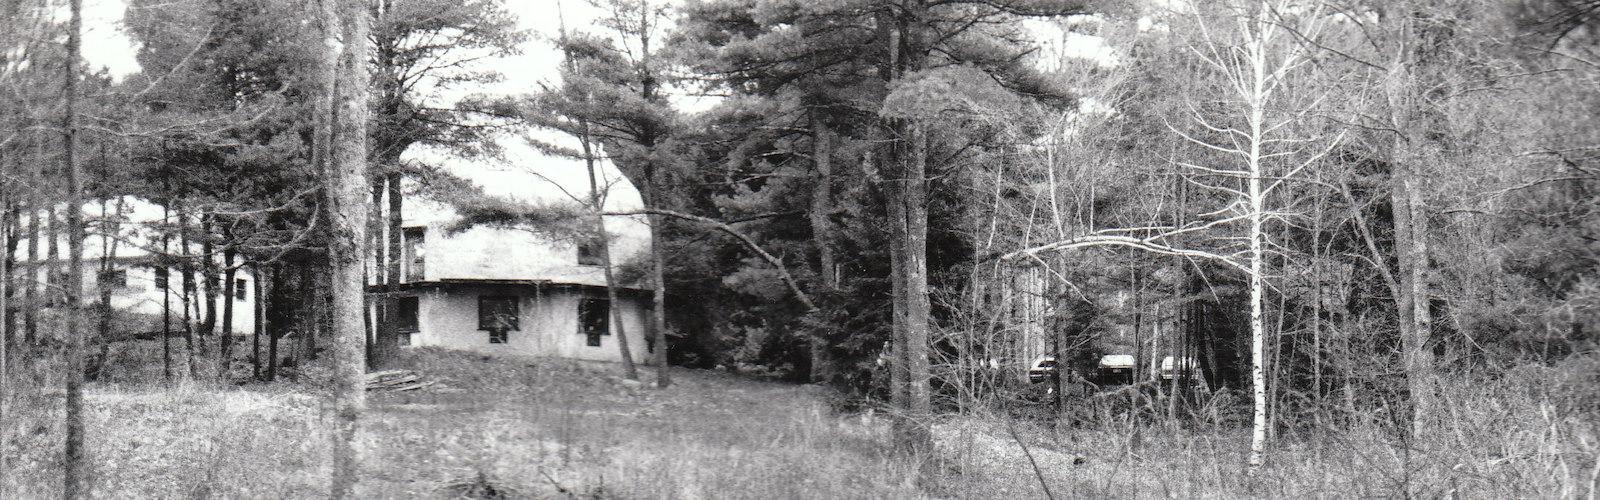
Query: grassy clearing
{"type": "Point", "coordinates": [532, 428]}
{"type": "Point", "coordinates": [550, 428]}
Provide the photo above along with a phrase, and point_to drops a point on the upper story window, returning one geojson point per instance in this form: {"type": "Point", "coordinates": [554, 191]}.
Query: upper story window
{"type": "Point", "coordinates": [240, 290]}
{"type": "Point", "coordinates": [589, 254]}
{"type": "Point", "coordinates": [414, 254]}
{"type": "Point", "coordinates": [163, 278]}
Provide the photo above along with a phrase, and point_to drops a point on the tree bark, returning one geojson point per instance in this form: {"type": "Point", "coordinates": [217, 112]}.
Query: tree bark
{"type": "Point", "coordinates": [208, 279]}
{"type": "Point", "coordinates": [259, 324]}
{"type": "Point", "coordinates": [75, 480]}
{"type": "Point", "coordinates": [1410, 228]}
{"type": "Point", "coordinates": [603, 246]}
{"type": "Point", "coordinates": [52, 278]}
{"type": "Point", "coordinates": [166, 294]}
{"type": "Point", "coordinates": [6, 333]}
{"type": "Point", "coordinates": [908, 220]}
{"type": "Point", "coordinates": [918, 308]}
{"type": "Point", "coordinates": [375, 314]}
{"type": "Point", "coordinates": [389, 335]}
{"type": "Point", "coordinates": [30, 294]}
{"type": "Point", "coordinates": [1257, 200]}
{"type": "Point", "coordinates": [822, 368]}
{"type": "Point", "coordinates": [225, 357]}
{"type": "Point", "coordinates": [103, 286]}
{"type": "Point", "coordinates": [11, 225]}
{"type": "Point", "coordinates": [658, 277]}
{"type": "Point", "coordinates": [188, 295]}
{"type": "Point", "coordinates": [345, 24]}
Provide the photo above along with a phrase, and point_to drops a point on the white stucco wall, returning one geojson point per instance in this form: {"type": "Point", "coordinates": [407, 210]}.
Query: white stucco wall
{"type": "Point", "coordinates": [136, 224]}
{"type": "Point", "coordinates": [548, 323]}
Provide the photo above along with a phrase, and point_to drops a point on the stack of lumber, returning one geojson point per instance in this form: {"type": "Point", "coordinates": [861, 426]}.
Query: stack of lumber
{"type": "Point", "coordinates": [396, 380]}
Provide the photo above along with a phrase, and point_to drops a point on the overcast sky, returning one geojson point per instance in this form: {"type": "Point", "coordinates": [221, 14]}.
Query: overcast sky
{"type": "Point", "coordinates": [107, 46]}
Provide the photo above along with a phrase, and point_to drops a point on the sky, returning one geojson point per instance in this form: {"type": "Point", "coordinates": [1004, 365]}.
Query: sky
{"type": "Point", "coordinates": [107, 47]}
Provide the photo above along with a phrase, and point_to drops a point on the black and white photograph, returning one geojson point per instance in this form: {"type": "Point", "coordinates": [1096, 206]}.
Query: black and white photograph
{"type": "Point", "coordinates": [808, 249]}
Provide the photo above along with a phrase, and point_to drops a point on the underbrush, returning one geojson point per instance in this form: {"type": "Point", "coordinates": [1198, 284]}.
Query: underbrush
{"type": "Point", "coordinates": [541, 428]}
{"type": "Point", "coordinates": [1531, 432]}
{"type": "Point", "coordinates": [520, 428]}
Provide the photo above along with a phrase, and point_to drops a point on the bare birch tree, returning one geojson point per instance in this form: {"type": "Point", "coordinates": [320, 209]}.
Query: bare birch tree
{"type": "Point", "coordinates": [1259, 66]}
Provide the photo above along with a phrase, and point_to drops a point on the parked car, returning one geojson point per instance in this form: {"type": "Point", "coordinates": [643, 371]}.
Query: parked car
{"type": "Point", "coordinates": [1190, 367]}
{"type": "Point", "coordinates": [1115, 369]}
{"type": "Point", "coordinates": [1042, 369]}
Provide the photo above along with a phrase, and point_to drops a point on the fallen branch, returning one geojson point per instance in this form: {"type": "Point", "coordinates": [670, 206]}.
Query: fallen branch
{"type": "Point", "coordinates": [1148, 244]}
{"type": "Point", "coordinates": [783, 271]}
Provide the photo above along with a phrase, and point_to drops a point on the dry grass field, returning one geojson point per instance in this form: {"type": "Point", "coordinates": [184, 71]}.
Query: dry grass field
{"type": "Point", "coordinates": [502, 428]}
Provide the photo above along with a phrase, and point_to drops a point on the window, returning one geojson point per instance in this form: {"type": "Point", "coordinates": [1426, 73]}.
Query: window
{"type": "Point", "coordinates": [594, 319]}
{"type": "Point", "coordinates": [240, 290]}
{"type": "Point", "coordinates": [407, 323]}
{"type": "Point", "coordinates": [415, 252]}
{"type": "Point", "coordinates": [497, 315]}
{"type": "Point", "coordinates": [163, 278]}
{"type": "Point", "coordinates": [589, 254]}
{"type": "Point", "coordinates": [114, 278]}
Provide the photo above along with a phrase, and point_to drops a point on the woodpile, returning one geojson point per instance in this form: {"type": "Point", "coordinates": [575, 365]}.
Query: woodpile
{"type": "Point", "coordinates": [396, 381]}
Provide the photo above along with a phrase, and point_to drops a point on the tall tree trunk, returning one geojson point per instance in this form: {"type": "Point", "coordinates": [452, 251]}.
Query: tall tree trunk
{"type": "Point", "coordinates": [346, 176]}
{"type": "Point", "coordinates": [189, 299]}
{"type": "Point", "coordinates": [658, 277]}
{"type": "Point", "coordinates": [6, 236]}
{"type": "Point", "coordinates": [1257, 201]}
{"type": "Point", "coordinates": [30, 294]}
{"type": "Point", "coordinates": [52, 273]}
{"type": "Point", "coordinates": [1316, 298]}
{"type": "Point", "coordinates": [166, 293]}
{"type": "Point", "coordinates": [389, 335]}
{"type": "Point", "coordinates": [208, 278]}
{"type": "Point", "coordinates": [648, 90]}
{"type": "Point", "coordinates": [603, 246]}
{"type": "Point", "coordinates": [373, 316]}
{"type": "Point", "coordinates": [906, 200]}
{"type": "Point", "coordinates": [1410, 230]}
{"type": "Point", "coordinates": [1138, 325]}
{"type": "Point", "coordinates": [103, 286]}
{"type": "Point", "coordinates": [918, 308]}
{"type": "Point", "coordinates": [225, 357]}
{"type": "Point", "coordinates": [258, 323]}
{"type": "Point", "coordinates": [822, 368]}
{"type": "Point", "coordinates": [75, 480]}
{"type": "Point", "coordinates": [11, 224]}
{"type": "Point", "coordinates": [1415, 321]}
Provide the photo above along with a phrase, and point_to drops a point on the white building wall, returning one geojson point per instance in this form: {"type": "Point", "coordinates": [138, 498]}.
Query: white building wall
{"type": "Point", "coordinates": [135, 235]}
{"type": "Point", "coordinates": [141, 297]}
{"type": "Point", "coordinates": [548, 324]}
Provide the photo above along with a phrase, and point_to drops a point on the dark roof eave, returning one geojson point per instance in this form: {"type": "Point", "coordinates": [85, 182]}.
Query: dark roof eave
{"type": "Point", "coordinates": [465, 282]}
